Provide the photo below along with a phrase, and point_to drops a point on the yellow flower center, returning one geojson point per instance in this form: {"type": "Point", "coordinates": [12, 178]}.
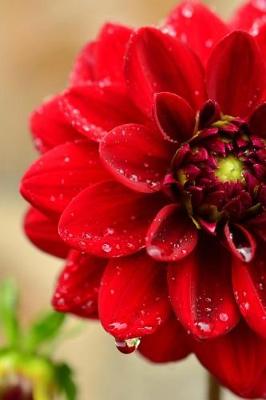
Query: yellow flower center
{"type": "Point", "coordinates": [230, 169]}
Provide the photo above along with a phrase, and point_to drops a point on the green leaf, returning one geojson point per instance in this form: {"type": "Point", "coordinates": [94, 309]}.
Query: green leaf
{"type": "Point", "coordinates": [45, 329]}
{"type": "Point", "coordinates": [66, 382]}
{"type": "Point", "coordinates": [8, 312]}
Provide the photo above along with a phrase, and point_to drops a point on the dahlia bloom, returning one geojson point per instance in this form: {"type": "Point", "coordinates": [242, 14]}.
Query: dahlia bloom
{"type": "Point", "coordinates": [153, 171]}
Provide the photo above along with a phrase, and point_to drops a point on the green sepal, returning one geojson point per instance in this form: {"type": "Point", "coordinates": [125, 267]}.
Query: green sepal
{"type": "Point", "coordinates": [43, 330]}
{"type": "Point", "coordinates": [65, 381]}
{"type": "Point", "coordinates": [8, 313]}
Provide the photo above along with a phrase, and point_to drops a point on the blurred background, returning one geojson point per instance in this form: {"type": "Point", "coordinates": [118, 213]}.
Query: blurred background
{"type": "Point", "coordinates": [39, 40]}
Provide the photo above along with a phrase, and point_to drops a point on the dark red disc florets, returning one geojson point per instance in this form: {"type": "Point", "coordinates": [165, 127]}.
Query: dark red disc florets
{"type": "Point", "coordinates": [220, 173]}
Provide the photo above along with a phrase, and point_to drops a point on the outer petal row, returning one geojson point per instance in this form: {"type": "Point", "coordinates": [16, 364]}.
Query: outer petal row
{"type": "Point", "coordinates": [237, 61]}
{"type": "Point", "coordinates": [176, 69]}
{"type": "Point", "coordinates": [237, 360]}
{"type": "Point", "coordinates": [104, 58]}
{"type": "Point", "coordinates": [109, 220]}
{"type": "Point", "coordinates": [43, 233]}
{"type": "Point", "coordinates": [137, 156]}
{"type": "Point", "coordinates": [197, 26]}
{"type": "Point", "coordinates": [203, 282]}
{"type": "Point", "coordinates": [78, 285]}
{"type": "Point", "coordinates": [133, 298]}
{"type": "Point", "coordinates": [60, 174]}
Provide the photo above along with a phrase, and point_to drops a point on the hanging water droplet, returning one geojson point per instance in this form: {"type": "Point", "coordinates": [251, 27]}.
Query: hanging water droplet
{"type": "Point", "coordinates": [127, 346]}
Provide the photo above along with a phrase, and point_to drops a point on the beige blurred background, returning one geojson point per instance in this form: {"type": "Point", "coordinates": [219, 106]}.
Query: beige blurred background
{"type": "Point", "coordinates": [39, 40]}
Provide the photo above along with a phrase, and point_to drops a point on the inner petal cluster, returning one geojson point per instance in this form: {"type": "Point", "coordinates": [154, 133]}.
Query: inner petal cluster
{"type": "Point", "coordinates": [219, 174]}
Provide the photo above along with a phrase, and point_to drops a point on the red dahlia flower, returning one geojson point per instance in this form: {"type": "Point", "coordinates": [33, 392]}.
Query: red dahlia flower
{"type": "Point", "coordinates": [154, 172]}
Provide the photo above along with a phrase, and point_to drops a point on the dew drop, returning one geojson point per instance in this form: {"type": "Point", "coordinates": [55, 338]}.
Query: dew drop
{"type": "Point", "coordinates": [154, 251]}
{"type": "Point", "coordinates": [204, 327]}
{"type": "Point", "coordinates": [38, 143]}
{"type": "Point", "coordinates": [246, 253]}
{"type": "Point", "coordinates": [183, 38]}
{"type": "Point", "coordinates": [106, 248]}
{"type": "Point", "coordinates": [169, 31]}
{"type": "Point", "coordinates": [223, 317]}
{"type": "Point", "coordinates": [187, 11]}
{"type": "Point", "coordinates": [118, 326]}
{"type": "Point", "coordinates": [209, 43]}
{"type": "Point", "coordinates": [61, 302]}
{"type": "Point", "coordinates": [109, 231]}
{"type": "Point", "coordinates": [134, 178]}
{"type": "Point", "coordinates": [127, 346]}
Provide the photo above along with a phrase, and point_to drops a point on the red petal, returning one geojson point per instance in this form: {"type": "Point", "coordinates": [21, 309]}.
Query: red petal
{"type": "Point", "coordinates": [197, 26]}
{"type": "Point", "coordinates": [49, 126]}
{"type": "Point", "coordinates": [249, 282]}
{"type": "Point", "coordinates": [43, 233]}
{"type": "Point", "coordinates": [259, 32]}
{"type": "Point", "coordinates": [259, 392]}
{"type": "Point", "coordinates": [172, 235]}
{"type": "Point", "coordinates": [111, 48]}
{"type": "Point", "coordinates": [78, 285]}
{"type": "Point", "coordinates": [236, 60]}
{"type": "Point", "coordinates": [84, 68]}
{"type": "Point", "coordinates": [59, 175]}
{"type": "Point", "coordinates": [236, 359]}
{"type": "Point", "coordinates": [209, 114]}
{"type": "Point", "coordinates": [136, 156]}
{"type": "Point", "coordinates": [249, 15]}
{"type": "Point", "coordinates": [201, 292]}
{"type": "Point", "coordinates": [176, 69]}
{"type": "Point", "coordinates": [168, 343]}
{"type": "Point", "coordinates": [258, 225]}
{"type": "Point", "coordinates": [240, 242]}
{"type": "Point", "coordinates": [133, 297]}
{"type": "Point", "coordinates": [93, 109]}
{"type": "Point", "coordinates": [257, 122]}
{"type": "Point", "coordinates": [174, 117]}
{"type": "Point", "coordinates": [109, 220]}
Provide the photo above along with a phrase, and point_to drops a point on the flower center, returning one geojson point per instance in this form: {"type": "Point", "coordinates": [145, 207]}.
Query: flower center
{"type": "Point", "coordinates": [229, 169]}
{"type": "Point", "coordinates": [220, 173]}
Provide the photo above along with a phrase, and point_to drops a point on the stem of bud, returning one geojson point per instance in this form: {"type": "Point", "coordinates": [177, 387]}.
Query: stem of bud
{"type": "Point", "coordinates": [214, 389]}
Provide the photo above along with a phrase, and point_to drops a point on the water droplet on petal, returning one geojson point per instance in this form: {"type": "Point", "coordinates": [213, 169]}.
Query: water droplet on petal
{"type": "Point", "coordinates": [106, 248]}
{"type": "Point", "coordinates": [246, 253]}
{"type": "Point", "coordinates": [187, 11]}
{"type": "Point", "coordinates": [153, 251]}
{"type": "Point", "coordinates": [209, 43]}
{"type": "Point", "coordinates": [127, 346]}
{"type": "Point", "coordinates": [223, 317]}
{"type": "Point", "coordinates": [204, 326]}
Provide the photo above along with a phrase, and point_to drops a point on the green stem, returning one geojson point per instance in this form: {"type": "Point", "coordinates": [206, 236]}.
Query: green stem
{"type": "Point", "coordinates": [214, 389]}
